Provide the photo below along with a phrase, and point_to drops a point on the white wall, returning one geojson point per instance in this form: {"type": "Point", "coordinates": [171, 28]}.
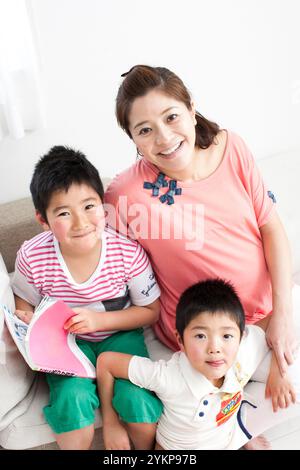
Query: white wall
{"type": "Point", "coordinates": [239, 58]}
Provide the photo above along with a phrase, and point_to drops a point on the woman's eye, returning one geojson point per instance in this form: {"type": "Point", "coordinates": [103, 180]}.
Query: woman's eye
{"type": "Point", "coordinates": [144, 131]}
{"type": "Point", "coordinates": [172, 117]}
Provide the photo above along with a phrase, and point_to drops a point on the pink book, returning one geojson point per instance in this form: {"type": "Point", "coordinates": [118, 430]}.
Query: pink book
{"type": "Point", "coordinates": [45, 344]}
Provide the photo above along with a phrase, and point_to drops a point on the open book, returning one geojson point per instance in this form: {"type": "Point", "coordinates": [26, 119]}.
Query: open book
{"type": "Point", "coordinates": [44, 343]}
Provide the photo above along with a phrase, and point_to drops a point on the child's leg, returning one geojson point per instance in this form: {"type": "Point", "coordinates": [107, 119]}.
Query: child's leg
{"type": "Point", "coordinates": [142, 435]}
{"type": "Point", "coordinates": [138, 408]}
{"type": "Point", "coordinates": [80, 439]}
{"type": "Point", "coordinates": [71, 410]}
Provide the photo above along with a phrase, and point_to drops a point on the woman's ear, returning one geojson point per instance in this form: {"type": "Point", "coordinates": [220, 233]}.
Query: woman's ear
{"type": "Point", "coordinates": [193, 112]}
{"type": "Point", "coordinates": [179, 341]}
{"type": "Point", "coordinates": [40, 219]}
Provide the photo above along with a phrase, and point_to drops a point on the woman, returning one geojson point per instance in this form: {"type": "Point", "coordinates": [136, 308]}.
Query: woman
{"type": "Point", "coordinates": [197, 204]}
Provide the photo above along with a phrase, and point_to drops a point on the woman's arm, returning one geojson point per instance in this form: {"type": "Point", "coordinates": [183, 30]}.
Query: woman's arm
{"type": "Point", "coordinates": [109, 366]}
{"type": "Point", "coordinates": [87, 321]}
{"type": "Point", "coordinates": [278, 387]}
{"type": "Point", "coordinates": [280, 331]}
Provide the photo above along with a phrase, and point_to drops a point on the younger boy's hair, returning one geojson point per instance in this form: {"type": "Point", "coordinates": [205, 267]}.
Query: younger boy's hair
{"type": "Point", "coordinates": [210, 296]}
{"type": "Point", "coordinates": [58, 170]}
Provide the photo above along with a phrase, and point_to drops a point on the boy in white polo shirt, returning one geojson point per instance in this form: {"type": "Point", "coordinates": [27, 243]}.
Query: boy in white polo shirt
{"type": "Point", "coordinates": [201, 386]}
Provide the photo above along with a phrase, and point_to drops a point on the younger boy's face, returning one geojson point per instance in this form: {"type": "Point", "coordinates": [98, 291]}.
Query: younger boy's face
{"type": "Point", "coordinates": [211, 343]}
{"type": "Point", "coordinates": [76, 218]}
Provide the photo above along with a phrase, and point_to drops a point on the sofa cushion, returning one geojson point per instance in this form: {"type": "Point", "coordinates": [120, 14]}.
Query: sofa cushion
{"type": "Point", "coordinates": [30, 429]}
{"type": "Point", "coordinates": [17, 223]}
{"type": "Point", "coordinates": [16, 378]}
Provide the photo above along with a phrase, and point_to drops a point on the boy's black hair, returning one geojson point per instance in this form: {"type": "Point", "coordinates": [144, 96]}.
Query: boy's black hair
{"type": "Point", "coordinates": [58, 170]}
{"type": "Point", "coordinates": [210, 296]}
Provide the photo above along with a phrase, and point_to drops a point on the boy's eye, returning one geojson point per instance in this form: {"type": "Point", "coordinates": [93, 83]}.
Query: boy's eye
{"type": "Point", "coordinates": [228, 336]}
{"type": "Point", "coordinates": [63, 214]}
{"type": "Point", "coordinates": [90, 206]}
{"type": "Point", "coordinates": [172, 117]}
{"type": "Point", "coordinates": [200, 336]}
{"type": "Point", "coordinates": [145, 131]}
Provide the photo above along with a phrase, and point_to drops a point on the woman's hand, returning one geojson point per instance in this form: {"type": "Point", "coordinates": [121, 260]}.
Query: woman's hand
{"type": "Point", "coordinates": [85, 321]}
{"type": "Point", "coordinates": [281, 339]}
{"type": "Point", "coordinates": [280, 390]}
{"type": "Point", "coordinates": [24, 315]}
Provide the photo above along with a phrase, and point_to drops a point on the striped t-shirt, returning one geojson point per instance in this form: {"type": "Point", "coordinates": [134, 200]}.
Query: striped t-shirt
{"type": "Point", "coordinates": [123, 276]}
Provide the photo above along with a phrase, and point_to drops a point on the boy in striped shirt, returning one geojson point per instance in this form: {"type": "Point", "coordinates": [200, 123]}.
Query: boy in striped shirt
{"type": "Point", "coordinates": [104, 277]}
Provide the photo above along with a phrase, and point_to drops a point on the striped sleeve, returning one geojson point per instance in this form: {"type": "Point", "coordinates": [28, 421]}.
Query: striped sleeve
{"type": "Point", "coordinates": [140, 262]}
{"type": "Point", "coordinates": [22, 282]}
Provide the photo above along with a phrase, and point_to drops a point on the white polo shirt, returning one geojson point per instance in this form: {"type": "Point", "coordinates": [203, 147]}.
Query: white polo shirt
{"type": "Point", "coordinates": [197, 415]}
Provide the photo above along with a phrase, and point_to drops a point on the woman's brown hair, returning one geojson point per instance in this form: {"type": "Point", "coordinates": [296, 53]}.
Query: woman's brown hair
{"type": "Point", "coordinates": [141, 79]}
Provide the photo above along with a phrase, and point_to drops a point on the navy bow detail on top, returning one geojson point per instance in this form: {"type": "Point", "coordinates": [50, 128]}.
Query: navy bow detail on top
{"type": "Point", "coordinates": [161, 182]}
{"type": "Point", "coordinates": [271, 195]}
{"type": "Point", "coordinates": [173, 191]}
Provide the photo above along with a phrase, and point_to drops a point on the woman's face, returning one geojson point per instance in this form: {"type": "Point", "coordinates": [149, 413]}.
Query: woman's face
{"type": "Point", "coordinates": [163, 130]}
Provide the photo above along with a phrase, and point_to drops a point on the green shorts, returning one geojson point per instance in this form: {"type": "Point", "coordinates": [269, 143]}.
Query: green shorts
{"type": "Point", "coordinates": [73, 400]}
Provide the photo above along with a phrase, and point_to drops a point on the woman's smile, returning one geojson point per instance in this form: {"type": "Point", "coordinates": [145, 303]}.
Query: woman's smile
{"type": "Point", "coordinates": [171, 152]}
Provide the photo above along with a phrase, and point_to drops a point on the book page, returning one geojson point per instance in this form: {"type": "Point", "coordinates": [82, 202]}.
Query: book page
{"type": "Point", "coordinates": [50, 347]}
{"type": "Point", "coordinates": [17, 328]}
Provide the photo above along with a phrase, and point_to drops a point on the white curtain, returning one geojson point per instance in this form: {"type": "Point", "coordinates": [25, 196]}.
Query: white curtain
{"type": "Point", "coordinates": [20, 92]}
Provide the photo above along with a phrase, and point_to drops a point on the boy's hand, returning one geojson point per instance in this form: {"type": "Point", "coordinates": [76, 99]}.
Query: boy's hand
{"type": "Point", "coordinates": [115, 437]}
{"type": "Point", "coordinates": [280, 390]}
{"type": "Point", "coordinates": [86, 321]}
{"type": "Point", "coordinates": [24, 315]}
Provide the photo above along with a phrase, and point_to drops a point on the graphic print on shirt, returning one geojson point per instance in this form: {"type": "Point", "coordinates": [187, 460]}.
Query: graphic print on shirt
{"type": "Point", "coordinates": [229, 406]}
{"type": "Point", "coordinates": [152, 283]}
{"type": "Point", "coordinates": [241, 375]}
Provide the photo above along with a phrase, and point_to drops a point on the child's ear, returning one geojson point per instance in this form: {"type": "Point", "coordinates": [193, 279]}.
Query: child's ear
{"type": "Point", "coordinates": [41, 221]}
{"type": "Point", "coordinates": [179, 341]}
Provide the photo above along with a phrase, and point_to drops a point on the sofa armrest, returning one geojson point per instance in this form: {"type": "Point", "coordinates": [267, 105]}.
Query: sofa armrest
{"type": "Point", "coordinates": [17, 223]}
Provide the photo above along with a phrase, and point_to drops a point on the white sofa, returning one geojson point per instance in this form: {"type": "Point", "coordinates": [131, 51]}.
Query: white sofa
{"type": "Point", "coordinates": [23, 393]}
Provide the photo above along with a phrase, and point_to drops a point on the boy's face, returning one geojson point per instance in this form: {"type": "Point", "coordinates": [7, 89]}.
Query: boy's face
{"type": "Point", "coordinates": [76, 218]}
{"type": "Point", "coordinates": [211, 342]}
